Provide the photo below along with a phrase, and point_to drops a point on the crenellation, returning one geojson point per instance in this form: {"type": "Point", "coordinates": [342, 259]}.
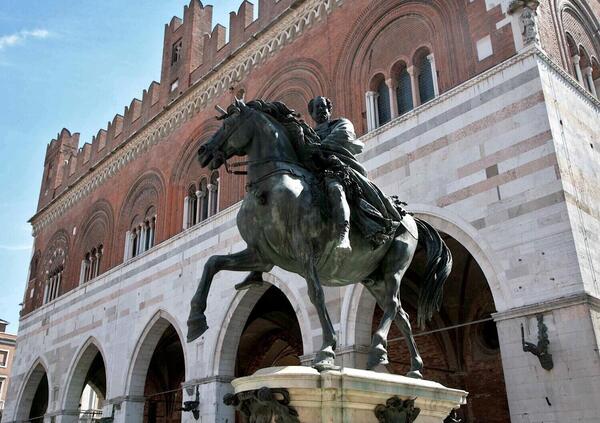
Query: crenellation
{"type": "Point", "coordinates": [100, 140]}
{"type": "Point", "coordinates": [238, 22]}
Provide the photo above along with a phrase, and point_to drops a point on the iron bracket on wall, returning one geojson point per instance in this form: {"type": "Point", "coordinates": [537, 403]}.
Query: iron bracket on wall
{"type": "Point", "coordinates": [541, 349]}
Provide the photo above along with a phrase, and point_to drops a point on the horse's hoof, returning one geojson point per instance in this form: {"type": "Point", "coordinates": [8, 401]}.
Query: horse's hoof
{"type": "Point", "coordinates": [325, 360]}
{"type": "Point", "coordinates": [415, 374]}
{"type": "Point", "coordinates": [196, 327]}
{"type": "Point", "coordinates": [323, 365]}
{"type": "Point", "coordinates": [377, 357]}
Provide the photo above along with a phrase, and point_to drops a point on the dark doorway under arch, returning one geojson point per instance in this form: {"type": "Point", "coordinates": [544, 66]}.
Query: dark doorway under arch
{"type": "Point", "coordinates": [39, 404]}
{"type": "Point", "coordinates": [166, 373]}
{"type": "Point", "coordinates": [459, 346]}
{"type": "Point", "coordinates": [93, 392]}
{"type": "Point", "coordinates": [271, 335]}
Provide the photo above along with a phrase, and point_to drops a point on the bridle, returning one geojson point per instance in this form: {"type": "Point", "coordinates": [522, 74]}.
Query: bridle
{"type": "Point", "coordinates": [220, 155]}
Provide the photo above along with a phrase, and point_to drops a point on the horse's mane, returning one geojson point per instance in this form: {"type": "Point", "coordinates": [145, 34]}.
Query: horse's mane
{"type": "Point", "coordinates": [300, 133]}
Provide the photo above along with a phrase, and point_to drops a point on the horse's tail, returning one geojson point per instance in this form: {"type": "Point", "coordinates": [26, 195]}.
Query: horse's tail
{"type": "Point", "coordinates": [439, 264]}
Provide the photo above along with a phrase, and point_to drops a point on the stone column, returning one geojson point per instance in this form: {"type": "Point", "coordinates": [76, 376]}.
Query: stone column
{"type": "Point", "coordinates": [200, 195]}
{"type": "Point", "coordinates": [372, 110]}
{"type": "Point", "coordinates": [127, 245]}
{"type": "Point", "coordinates": [588, 73]}
{"type": "Point", "coordinates": [436, 88]}
{"type": "Point", "coordinates": [212, 209]}
{"type": "Point", "coordinates": [153, 231]}
{"type": "Point", "coordinates": [393, 90]}
{"type": "Point", "coordinates": [82, 271]}
{"type": "Point", "coordinates": [576, 63]}
{"type": "Point", "coordinates": [414, 85]}
{"type": "Point", "coordinates": [186, 211]}
{"type": "Point", "coordinates": [139, 240]}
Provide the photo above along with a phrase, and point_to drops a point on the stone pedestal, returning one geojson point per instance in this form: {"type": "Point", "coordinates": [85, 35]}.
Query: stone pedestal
{"type": "Point", "coordinates": [301, 394]}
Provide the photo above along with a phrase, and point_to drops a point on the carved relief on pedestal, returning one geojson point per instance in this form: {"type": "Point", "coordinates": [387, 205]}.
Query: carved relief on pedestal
{"type": "Point", "coordinates": [264, 405]}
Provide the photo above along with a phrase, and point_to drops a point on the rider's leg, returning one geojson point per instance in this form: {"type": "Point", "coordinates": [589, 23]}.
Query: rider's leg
{"type": "Point", "coordinates": [340, 212]}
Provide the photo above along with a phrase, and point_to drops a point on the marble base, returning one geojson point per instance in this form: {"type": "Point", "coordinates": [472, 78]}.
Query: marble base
{"type": "Point", "coordinates": [343, 396]}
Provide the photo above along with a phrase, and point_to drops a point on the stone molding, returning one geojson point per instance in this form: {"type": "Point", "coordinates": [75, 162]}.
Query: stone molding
{"type": "Point", "coordinates": [206, 380]}
{"type": "Point", "coordinates": [304, 14]}
{"type": "Point", "coordinates": [547, 306]}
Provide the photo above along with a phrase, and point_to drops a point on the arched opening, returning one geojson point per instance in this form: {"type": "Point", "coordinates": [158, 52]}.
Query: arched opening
{"type": "Point", "coordinates": [423, 63]}
{"type": "Point", "coordinates": [404, 95]}
{"type": "Point", "coordinates": [35, 396]}
{"type": "Point", "coordinates": [271, 336]}
{"type": "Point", "coordinates": [383, 109]}
{"type": "Point", "coordinates": [459, 346]}
{"type": "Point", "coordinates": [166, 372]}
{"type": "Point", "coordinates": [86, 390]}
{"type": "Point", "coordinates": [596, 76]}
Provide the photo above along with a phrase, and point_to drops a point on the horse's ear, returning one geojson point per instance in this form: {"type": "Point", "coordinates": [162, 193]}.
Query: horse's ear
{"type": "Point", "coordinates": [239, 102]}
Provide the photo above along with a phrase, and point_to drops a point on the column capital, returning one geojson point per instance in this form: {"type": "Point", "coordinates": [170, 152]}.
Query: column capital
{"type": "Point", "coordinates": [212, 187]}
{"type": "Point", "coordinates": [392, 83]}
{"type": "Point", "coordinates": [576, 58]}
{"type": "Point", "coordinates": [588, 71]}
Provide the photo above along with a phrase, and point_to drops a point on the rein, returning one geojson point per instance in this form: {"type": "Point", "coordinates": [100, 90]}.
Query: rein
{"type": "Point", "coordinates": [260, 162]}
{"type": "Point", "coordinates": [253, 162]}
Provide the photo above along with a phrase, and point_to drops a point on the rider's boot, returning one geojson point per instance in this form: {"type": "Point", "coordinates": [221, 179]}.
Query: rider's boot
{"type": "Point", "coordinates": [340, 211]}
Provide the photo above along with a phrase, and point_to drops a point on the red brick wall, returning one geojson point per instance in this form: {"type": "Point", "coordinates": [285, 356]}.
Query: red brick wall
{"type": "Point", "coordinates": [336, 56]}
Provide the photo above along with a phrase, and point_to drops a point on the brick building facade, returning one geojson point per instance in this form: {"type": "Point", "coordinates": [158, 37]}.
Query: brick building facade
{"type": "Point", "coordinates": [482, 114]}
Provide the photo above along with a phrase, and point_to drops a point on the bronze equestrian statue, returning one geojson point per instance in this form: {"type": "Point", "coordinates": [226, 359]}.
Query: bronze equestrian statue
{"type": "Point", "coordinates": [310, 209]}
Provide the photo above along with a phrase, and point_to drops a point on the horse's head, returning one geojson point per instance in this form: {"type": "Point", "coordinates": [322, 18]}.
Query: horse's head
{"type": "Point", "coordinates": [231, 139]}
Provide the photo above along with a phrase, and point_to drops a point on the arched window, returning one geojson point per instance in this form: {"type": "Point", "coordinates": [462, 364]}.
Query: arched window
{"type": "Point", "coordinates": [52, 287]}
{"type": "Point", "coordinates": [426, 78]}
{"type": "Point", "coordinates": [383, 103]}
{"type": "Point", "coordinates": [573, 56]}
{"type": "Point", "coordinates": [142, 234]}
{"type": "Point", "coordinates": [213, 193]}
{"type": "Point", "coordinates": [595, 77]}
{"type": "Point", "coordinates": [378, 102]}
{"type": "Point", "coordinates": [404, 94]}
{"type": "Point", "coordinates": [190, 207]}
{"type": "Point", "coordinates": [90, 265]}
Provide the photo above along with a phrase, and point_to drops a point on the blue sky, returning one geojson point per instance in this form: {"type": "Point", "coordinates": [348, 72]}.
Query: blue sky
{"type": "Point", "coordinates": [73, 64]}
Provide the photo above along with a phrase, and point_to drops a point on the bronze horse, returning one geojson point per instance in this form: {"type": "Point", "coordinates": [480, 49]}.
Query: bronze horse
{"type": "Point", "coordinates": [282, 227]}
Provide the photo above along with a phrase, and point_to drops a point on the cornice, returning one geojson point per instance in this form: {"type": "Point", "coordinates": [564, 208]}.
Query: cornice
{"type": "Point", "coordinates": [548, 306]}
{"type": "Point", "coordinates": [301, 15]}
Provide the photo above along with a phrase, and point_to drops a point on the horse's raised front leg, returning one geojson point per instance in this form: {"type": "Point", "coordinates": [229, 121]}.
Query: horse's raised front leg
{"type": "Point", "coordinates": [247, 260]}
{"type": "Point", "coordinates": [325, 358]}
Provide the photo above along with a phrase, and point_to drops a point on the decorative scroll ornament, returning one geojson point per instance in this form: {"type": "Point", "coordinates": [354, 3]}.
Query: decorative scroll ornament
{"type": "Point", "coordinates": [397, 411]}
{"type": "Point", "coordinates": [528, 15]}
{"type": "Point", "coordinates": [541, 349]}
{"type": "Point", "coordinates": [264, 405]}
